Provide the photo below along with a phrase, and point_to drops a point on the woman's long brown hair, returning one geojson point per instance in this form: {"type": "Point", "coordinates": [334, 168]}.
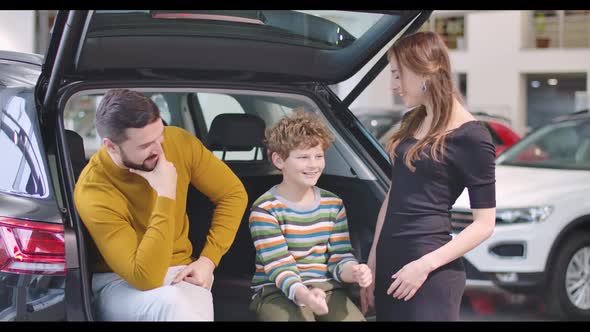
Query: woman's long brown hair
{"type": "Point", "coordinates": [425, 54]}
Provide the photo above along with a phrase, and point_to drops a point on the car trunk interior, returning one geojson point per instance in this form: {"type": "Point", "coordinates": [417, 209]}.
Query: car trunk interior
{"type": "Point", "coordinates": [193, 110]}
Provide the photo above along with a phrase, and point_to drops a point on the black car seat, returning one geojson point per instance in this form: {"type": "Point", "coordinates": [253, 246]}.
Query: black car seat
{"type": "Point", "coordinates": [231, 288]}
{"type": "Point", "coordinates": [77, 154]}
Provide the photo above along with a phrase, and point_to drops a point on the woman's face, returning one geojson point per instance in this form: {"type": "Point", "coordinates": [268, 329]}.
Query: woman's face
{"type": "Point", "coordinates": [407, 84]}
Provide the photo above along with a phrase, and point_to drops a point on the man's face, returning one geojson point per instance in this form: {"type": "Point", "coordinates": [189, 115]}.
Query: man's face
{"type": "Point", "coordinates": [143, 146]}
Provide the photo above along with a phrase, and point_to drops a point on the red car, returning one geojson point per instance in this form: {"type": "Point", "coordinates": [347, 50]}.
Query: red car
{"type": "Point", "coordinates": [503, 136]}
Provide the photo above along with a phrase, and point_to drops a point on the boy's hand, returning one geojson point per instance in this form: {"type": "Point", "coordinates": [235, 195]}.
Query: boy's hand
{"type": "Point", "coordinates": [361, 273]}
{"type": "Point", "coordinates": [368, 293]}
{"type": "Point", "coordinates": [314, 298]}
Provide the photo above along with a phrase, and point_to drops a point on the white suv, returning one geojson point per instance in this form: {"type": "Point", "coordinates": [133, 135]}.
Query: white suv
{"type": "Point", "coordinates": [541, 242]}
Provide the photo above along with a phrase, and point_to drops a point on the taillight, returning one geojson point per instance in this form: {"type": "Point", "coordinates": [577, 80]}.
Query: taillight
{"type": "Point", "coordinates": [31, 247]}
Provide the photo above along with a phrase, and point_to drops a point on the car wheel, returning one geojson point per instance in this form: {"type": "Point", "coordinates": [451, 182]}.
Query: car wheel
{"type": "Point", "coordinates": [569, 295]}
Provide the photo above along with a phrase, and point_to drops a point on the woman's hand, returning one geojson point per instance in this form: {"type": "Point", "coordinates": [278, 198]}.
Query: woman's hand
{"type": "Point", "coordinates": [409, 279]}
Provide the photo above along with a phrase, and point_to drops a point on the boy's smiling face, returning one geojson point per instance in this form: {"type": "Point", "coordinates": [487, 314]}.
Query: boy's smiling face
{"type": "Point", "coordinates": [303, 167]}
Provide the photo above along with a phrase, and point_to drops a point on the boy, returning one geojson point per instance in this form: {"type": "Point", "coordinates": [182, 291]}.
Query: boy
{"type": "Point", "coordinates": [303, 250]}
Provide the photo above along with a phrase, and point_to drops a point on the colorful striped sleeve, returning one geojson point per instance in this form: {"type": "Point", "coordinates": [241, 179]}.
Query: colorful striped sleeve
{"type": "Point", "coordinates": [272, 251]}
{"type": "Point", "coordinates": [339, 246]}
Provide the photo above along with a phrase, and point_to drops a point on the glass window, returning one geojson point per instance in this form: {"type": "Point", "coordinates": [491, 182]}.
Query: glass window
{"type": "Point", "coordinates": [562, 145]}
{"type": "Point", "coordinates": [452, 31]}
{"type": "Point", "coordinates": [576, 25]}
{"type": "Point", "coordinates": [12, 75]}
{"type": "Point", "coordinates": [80, 112]}
{"type": "Point", "coordinates": [160, 101]}
{"type": "Point", "coordinates": [22, 169]}
{"type": "Point", "coordinates": [79, 116]}
{"type": "Point", "coordinates": [310, 28]}
{"type": "Point", "coordinates": [560, 29]}
{"type": "Point", "coordinates": [450, 27]}
{"type": "Point", "coordinates": [546, 28]}
{"type": "Point", "coordinates": [554, 94]}
{"type": "Point", "coordinates": [214, 104]}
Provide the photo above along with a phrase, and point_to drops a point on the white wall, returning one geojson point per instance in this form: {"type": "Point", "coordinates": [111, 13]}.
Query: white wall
{"type": "Point", "coordinates": [17, 30]}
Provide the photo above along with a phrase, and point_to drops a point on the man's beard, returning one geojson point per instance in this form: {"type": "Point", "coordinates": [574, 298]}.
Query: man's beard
{"type": "Point", "coordinates": [129, 164]}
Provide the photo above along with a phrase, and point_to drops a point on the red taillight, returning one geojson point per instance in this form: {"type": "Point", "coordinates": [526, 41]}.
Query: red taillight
{"type": "Point", "coordinates": [31, 247]}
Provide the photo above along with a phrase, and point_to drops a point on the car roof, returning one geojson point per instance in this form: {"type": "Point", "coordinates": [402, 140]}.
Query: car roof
{"type": "Point", "coordinates": [582, 114]}
{"type": "Point", "coordinates": [19, 69]}
{"type": "Point", "coordinates": [30, 58]}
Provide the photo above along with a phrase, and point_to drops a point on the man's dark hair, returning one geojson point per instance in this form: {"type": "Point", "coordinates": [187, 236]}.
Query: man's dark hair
{"type": "Point", "coordinates": [120, 109]}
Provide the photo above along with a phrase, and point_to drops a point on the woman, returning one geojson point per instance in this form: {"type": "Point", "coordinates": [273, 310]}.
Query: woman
{"type": "Point", "coordinates": [439, 150]}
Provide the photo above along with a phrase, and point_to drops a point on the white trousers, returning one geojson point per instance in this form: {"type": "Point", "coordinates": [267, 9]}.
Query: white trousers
{"type": "Point", "coordinates": [116, 300]}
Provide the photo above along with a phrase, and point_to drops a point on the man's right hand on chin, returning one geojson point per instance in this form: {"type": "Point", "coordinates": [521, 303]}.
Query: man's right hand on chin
{"type": "Point", "coordinates": [162, 178]}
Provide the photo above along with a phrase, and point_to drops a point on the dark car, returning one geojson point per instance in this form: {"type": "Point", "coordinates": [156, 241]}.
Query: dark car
{"type": "Point", "coordinates": [382, 123]}
{"type": "Point", "coordinates": [379, 120]}
{"type": "Point", "coordinates": [196, 65]}
{"type": "Point", "coordinates": [32, 246]}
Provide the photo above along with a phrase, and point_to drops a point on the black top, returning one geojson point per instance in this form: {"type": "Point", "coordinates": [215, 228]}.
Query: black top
{"type": "Point", "coordinates": [469, 162]}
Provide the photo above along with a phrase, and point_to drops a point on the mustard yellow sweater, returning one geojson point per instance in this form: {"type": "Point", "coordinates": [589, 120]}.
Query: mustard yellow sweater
{"type": "Point", "coordinates": [140, 235]}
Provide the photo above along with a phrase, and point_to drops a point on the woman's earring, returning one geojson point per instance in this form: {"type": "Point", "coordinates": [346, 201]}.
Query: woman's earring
{"type": "Point", "coordinates": [424, 86]}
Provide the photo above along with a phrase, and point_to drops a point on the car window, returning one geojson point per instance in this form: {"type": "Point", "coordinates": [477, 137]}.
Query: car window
{"type": "Point", "coordinates": [162, 104]}
{"type": "Point", "coordinates": [204, 106]}
{"type": "Point", "coordinates": [563, 145]}
{"type": "Point", "coordinates": [214, 104]}
{"type": "Point", "coordinates": [326, 29]}
{"type": "Point", "coordinates": [22, 167]}
{"type": "Point", "coordinates": [80, 112]}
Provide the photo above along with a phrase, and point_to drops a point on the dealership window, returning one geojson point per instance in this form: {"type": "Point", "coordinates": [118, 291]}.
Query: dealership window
{"type": "Point", "coordinates": [450, 27]}
{"type": "Point", "coordinates": [553, 94]}
{"type": "Point", "coordinates": [559, 29]}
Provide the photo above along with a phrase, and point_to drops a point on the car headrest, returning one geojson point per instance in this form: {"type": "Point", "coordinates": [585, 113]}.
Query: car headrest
{"type": "Point", "coordinates": [77, 155]}
{"type": "Point", "coordinates": [235, 132]}
{"type": "Point", "coordinates": [76, 145]}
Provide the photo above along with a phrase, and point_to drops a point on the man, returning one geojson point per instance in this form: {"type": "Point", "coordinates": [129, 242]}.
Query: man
{"type": "Point", "coordinates": [132, 198]}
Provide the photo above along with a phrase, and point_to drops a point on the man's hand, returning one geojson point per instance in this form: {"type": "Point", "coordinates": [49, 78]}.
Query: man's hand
{"type": "Point", "coordinates": [199, 272]}
{"type": "Point", "coordinates": [162, 178]}
{"type": "Point", "coordinates": [314, 298]}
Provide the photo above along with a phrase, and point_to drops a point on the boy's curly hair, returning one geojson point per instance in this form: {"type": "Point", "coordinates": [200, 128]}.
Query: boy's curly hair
{"type": "Point", "coordinates": [301, 130]}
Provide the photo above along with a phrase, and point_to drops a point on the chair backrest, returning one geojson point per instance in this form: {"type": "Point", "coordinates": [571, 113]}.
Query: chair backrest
{"type": "Point", "coordinates": [77, 153]}
{"type": "Point", "coordinates": [234, 132]}
{"type": "Point", "coordinates": [240, 132]}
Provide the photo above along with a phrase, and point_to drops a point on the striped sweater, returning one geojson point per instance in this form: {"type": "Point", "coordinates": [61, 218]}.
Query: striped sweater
{"type": "Point", "coordinates": [296, 244]}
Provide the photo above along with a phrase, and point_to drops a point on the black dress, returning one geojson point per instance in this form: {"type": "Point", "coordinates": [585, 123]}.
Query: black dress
{"type": "Point", "coordinates": [418, 221]}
